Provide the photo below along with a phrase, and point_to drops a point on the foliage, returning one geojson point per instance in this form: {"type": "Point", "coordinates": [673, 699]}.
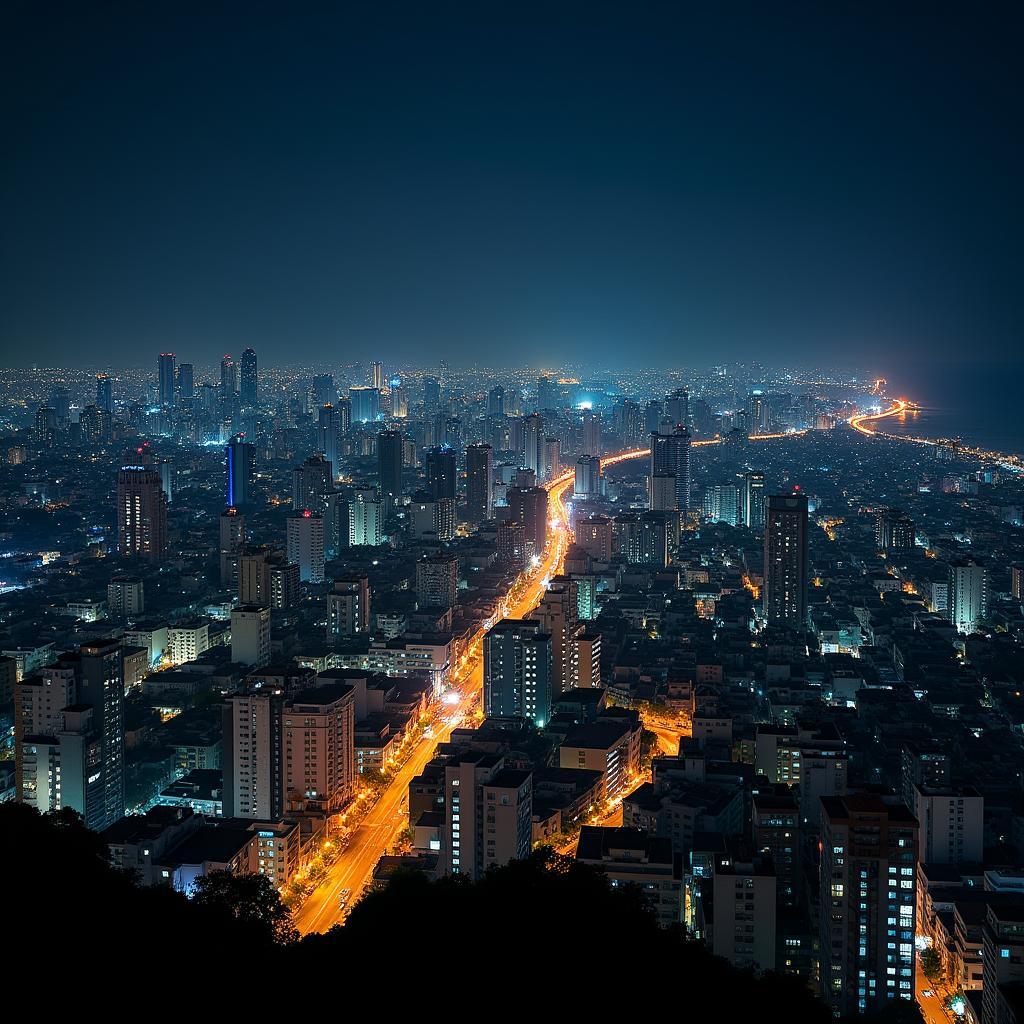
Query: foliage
{"type": "Point", "coordinates": [931, 964]}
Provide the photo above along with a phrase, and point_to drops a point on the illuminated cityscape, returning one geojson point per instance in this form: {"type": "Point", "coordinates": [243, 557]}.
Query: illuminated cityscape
{"type": "Point", "coordinates": [572, 606]}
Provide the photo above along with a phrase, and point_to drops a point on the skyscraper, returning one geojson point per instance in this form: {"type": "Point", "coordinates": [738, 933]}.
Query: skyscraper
{"type": "Point", "coordinates": [441, 473]}
{"type": "Point", "coordinates": [186, 383]}
{"type": "Point", "coordinates": [306, 545]}
{"type": "Point", "coordinates": [670, 453]}
{"type": "Point", "coordinates": [365, 404]}
{"type": "Point", "coordinates": [349, 606]}
{"type": "Point", "coordinates": [557, 616]}
{"type": "Point", "coordinates": [377, 375]}
{"type": "Point", "coordinates": [518, 669]}
{"type": "Point", "coordinates": [546, 392]}
{"type": "Point", "coordinates": [753, 500]}
{"type": "Point", "coordinates": [437, 581]}
{"type": "Point", "coordinates": [496, 401]}
{"type": "Point", "coordinates": [677, 408]}
{"type": "Point", "coordinates": [530, 507]}
{"type": "Point", "coordinates": [249, 385]}
{"type": "Point", "coordinates": [253, 755]}
{"type": "Point", "coordinates": [868, 906]}
{"type": "Point", "coordinates": [968, 595]}
{"type": "Point", "coordinates": [587, 480]}
{"type": "Point", "coordinates": [479, 483]}
{"type": "Point", "coordinates": [662, 494]}
{"type": "Point", "coordinates": [104, 393]}
{"type": "Point", "coordinates": [141, 512]}
{"type": "Point", "coordinates": [232, 539]}
{"type": "Point", "coordinates": [591, 433]}
{"type": "Point", "coordinates": [389, 462]}
{"type": "Point", "coordinates": [324, 390]}
{"type": "Point", "coordinates": [328, 436]}
{"type": "Point", "coordinates": [166, 368]}
{"type": "Point", "coordinates": [228, 376]}
{"type": "Point", "coordinates": [70, 735]}
{"type": "Point", "coordinates": [431, 395]}
{"type": "Point", "coordinates": [785, 561]}
{"type": "Point", "coordinates": [241, 469]}
{"type": "Point", "coordinates": [311, 483]}
{"type": "Point", "coordinates": [533, 439]}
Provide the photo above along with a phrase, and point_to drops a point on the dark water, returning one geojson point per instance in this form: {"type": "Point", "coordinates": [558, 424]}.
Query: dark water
{"type": "Point", "coordinates": [983, 404]}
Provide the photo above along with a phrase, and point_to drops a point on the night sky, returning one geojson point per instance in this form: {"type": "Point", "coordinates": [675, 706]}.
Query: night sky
{"type": "Point", "coordinates": [631, 184]}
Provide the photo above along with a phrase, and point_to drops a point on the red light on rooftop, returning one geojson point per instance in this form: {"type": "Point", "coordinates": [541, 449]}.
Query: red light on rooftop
{"type": "Point", "coordinates": [306, 514]}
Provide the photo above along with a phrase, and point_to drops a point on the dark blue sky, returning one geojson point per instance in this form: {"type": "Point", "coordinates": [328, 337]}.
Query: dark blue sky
{"type": "Point", "coordinates": [633, 183]}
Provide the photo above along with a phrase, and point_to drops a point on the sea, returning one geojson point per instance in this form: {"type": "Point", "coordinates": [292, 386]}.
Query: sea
{"type": "Point", "coordinates": [982, 404]}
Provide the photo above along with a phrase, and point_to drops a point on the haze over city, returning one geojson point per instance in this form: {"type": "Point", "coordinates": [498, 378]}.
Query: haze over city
{"type": "Point", "coordinates": [513, 510]}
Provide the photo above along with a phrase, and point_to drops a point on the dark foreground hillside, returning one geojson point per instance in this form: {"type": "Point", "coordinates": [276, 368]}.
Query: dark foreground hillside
{"type": "Point", "coordinates": [538, 933]}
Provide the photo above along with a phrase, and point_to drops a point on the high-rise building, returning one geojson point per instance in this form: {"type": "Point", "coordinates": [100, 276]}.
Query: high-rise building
{"type": "Point", "coordinates": [753, 500]}
{"type": "Point", "coordinates": [389, 462]}
{"type": "Point", "coordinates": [557, 615]}
{"type": "Point", "coordinates": [587, 658]}
{"type": "Point", "coordinates": [518, 668]}
{"type": "Point", "coordinates": [250, 635]}
{"type": "Point", "coordinates": [249, 380]}
{"type": "Point", "coordinates": [1017, 582]}
{"type": "Point", "coordinates": [311, 483]}
{"type": "Point", "coordinates": [868, 876]}
{"type": "Point", "coordinates": [232, 540]}
{"type": "Point", "coordinates": [319, 743]}
{"type": "Point", "coordinates": [530, 507]}
{"type": "Point", "coordinates": [306, 545]}
{"type": "Point", "coordinates": [894, 530]}
{"type": "Point", "coordinates": [551, 458]}
{"type": "Point", "coordinates": [496, 401]}
{"type": "Point", "coordinates": [377, 375]}
{"type": "Point", "coordinates": [166, 380]}
{"type": "Point", "coordinates": [441, 473]}
{"type": "Point", "coordinates": [785, 561]}
{"type": "Point", "coordinates": [479, 483]}
{"type": "Point", "coordinates": [253, 757]}
{"type": "Point", "coordinates": [126, 596]}
{"type": "Point", "coordinates": [266, 578]}
{"type": "Point", "coordinates": [951, 823]}
{"type": "Point", "coordinates": [69, 735]}
{"type": "Point", "coordinates": [104, 393]}
{"type": "Point", "coordinates": [431, 395]}
{"type": "Point", "coordinates": [533, 439]}
{"type": "Point", "coordinates": [512, 544]}
{"type": "Point", "coordinates": [328, 435]}
{"type": "Point", "coordinates": [488, 814]}
{"type": "Point", "coordinates": [437, 581]}
{"type": "Point", "coordinates": [968, 595]}
{"type": "Point", "coordinates": [349, 607]}
{"type": "Point", "coordinates": [722, 504]}
{"type": "Point", "coordinates": [677, 408]}
{"type": "Point", "coordinates": [591, 433]}
{"type": "Point", "coordinates": [1002, 958]}
{"type": "Point", "coordinates": [670, 453]}
{"type": "Point", "coordinates": [588, 481]}
{"type": "Point", "coordinates": [547, 393]}
{"type": "Point", "coordinates": [241, 472]}
{"type": "Point", "coordinates": [365, 404]}
{"type": "Point", "coordinates": [186, 383]}
{"type": "Point", "coordinates": [743, 917]}
{"type": "Point", "coordinates": [775, 824]}
{"type": "Point", "coordinates": [141, 512]}
{"type": "Point", "coordinates": [324, 390]}
{"type": "Point", "coordinates": [662, 494]}
{"type": "Point", "coordinates": [228, 376]}
{"type": "Point", "coordinates": [365, 518]}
